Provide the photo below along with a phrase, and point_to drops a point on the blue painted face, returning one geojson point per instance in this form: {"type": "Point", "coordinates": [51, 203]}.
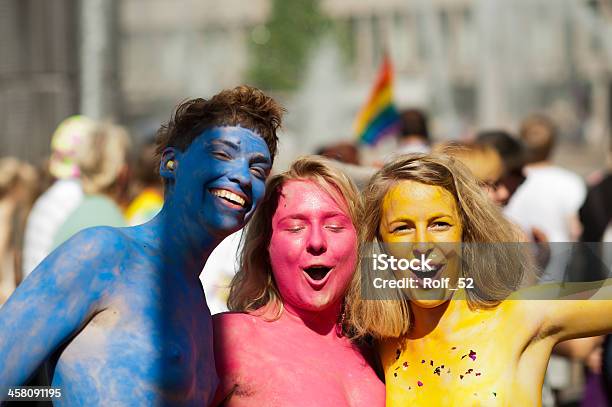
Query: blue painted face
{"type": "Point", "coordinates": [220, 178]}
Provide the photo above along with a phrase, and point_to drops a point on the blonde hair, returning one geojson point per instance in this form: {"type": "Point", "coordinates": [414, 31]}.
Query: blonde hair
{"type": "Point", "coordinates": [102, 157]}
{"type": "Point", "coordinates": [482, 160]}
{"type": "Point", "coordinates": [482, 222]}
{"type": "Point", "coordinates": [16, 173]}
{"type": "Point", "coordinates": [253, 287]}
{"type": "Point", "coordinates": [19, 187]}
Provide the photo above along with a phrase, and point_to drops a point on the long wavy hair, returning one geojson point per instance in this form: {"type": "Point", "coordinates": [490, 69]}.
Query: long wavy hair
{"type": "Point", "coordinates": [497, 270]}
{"type": "Point", "coordinates": [253, 287]}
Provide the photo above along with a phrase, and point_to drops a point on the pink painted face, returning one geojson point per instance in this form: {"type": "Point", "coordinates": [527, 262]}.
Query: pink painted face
{"type": "Point", "coordinates": [313, 249]}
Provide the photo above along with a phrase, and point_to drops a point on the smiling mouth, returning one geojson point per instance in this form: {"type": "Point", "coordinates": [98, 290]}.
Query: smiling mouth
{"type": "Point", "coordinates": [317, 273]}
{"type": "Point", "coordinates": [229, 197]}
{"type": "Point", "coordinates": [435, 268]}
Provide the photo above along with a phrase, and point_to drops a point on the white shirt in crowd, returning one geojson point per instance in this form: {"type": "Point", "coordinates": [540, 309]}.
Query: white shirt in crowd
{"type": "Point", "coordinates": [49, 212]}
{"type": "Point", "coordinates": [548, 199]}
{"type": "Point", "coordinates": [218, 272]}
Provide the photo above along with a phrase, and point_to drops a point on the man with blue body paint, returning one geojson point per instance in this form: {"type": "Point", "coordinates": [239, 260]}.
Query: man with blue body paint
{"type": "Point", "coordinates": [117, 316]}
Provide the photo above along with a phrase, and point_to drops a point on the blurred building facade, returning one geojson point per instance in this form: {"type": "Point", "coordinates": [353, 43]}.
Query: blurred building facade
{"type": "Point", "coordinates": [470, 62]}
{"type": "Point", "coordinates": [492, 62]}
{"type": "Point", "coordinates": [38, 73]}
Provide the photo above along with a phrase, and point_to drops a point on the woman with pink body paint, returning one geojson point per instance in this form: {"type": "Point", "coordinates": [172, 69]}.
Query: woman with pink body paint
{"type": "Point", "coordinates": [286, 346]}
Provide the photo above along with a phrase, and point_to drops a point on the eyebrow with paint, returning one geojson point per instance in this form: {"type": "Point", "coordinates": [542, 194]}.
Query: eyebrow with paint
{"type": "Point", "coordinates": [227, 143]}
{"type": "Point", "coordinates": [404, 218]}
{"type": "Point", "coordinates": [325, 215]}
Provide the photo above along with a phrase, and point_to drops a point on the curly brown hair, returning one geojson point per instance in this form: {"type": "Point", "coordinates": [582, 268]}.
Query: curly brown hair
{"type": "Point", "coordinates": [244, 105]}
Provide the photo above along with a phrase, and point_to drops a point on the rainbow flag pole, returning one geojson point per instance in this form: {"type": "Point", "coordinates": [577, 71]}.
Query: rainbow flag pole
{"type": "Point", "coordinates": [379, 116]}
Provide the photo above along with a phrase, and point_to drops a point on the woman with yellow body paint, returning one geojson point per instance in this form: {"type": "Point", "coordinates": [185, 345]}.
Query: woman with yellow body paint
{"type": "Point", "coordinates": [486, 345]}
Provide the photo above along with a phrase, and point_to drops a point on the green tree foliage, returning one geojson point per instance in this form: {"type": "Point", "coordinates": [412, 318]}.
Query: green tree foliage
{"type": "Point", "coordinates": [281, 48]}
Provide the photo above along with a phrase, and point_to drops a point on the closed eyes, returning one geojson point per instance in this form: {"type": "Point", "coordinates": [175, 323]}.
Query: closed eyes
{"type": "Point", "coordinates": [335, 228]}
{"type": "Point", "coordinates": [331, 228]}
{"type": "Point", "coordinates": [294, 229]}
{"type": "Point", "coordinates": [222, 155]}
{"type": "Point", "coordinates": [258, 172]}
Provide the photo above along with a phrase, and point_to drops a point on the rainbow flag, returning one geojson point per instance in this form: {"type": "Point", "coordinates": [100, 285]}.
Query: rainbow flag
{"type": "Point", "coordinates": [379, 117]}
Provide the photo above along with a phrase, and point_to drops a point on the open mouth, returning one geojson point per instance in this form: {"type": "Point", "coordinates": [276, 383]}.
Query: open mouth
{"type": "Point", "coordinates": [231, 198]}
{"type": "Point", "coordinates": [317, 273]}
{"type": "Point", "coordinates": [433, 273]}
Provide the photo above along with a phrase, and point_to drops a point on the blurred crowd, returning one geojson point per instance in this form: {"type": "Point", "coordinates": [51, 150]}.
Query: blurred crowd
{"type": "Point", "coordinates": [551, 205]}
{"type": "Point", "coordinates": [96, 175]}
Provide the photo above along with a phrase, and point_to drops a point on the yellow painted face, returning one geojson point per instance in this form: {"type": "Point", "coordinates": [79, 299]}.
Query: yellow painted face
{"type": "Point", "coordinates": [425, 220]}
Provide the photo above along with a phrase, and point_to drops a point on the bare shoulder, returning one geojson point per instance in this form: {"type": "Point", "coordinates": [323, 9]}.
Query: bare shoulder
{"type": "Point", "coordinates": [543, 299]}
{"type": "Point", "coordinates": [94, 242]}
{"type": "Point", "coordinates": [524, 318]}
{"type": "Point", "coordinates": [237, 335]}
{"type": "Point", "coordinates": [235, 317]}
{"type": "Point", "coordinates": [231, 326]}
{"type": "Point", "coordinates": [516, 308]}
{"type": "Point", "coordinates": [88, 259]}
